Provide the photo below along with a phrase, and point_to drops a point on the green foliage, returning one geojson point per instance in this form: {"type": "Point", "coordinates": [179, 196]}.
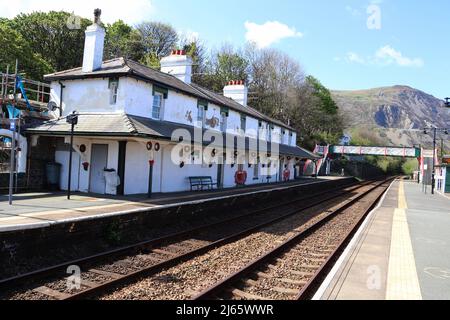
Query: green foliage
{"type": "Point", "coordinates": [49, 37]}
{"type": "Point", "coordinates": [14, 46]}
{"type": "Point", "coordinates": [151, 60]}
{"type": "Point", "coordinates": [123, 41]}
{"type": "Point", "coordinates": [224, 65]}
{"type": "Point", "coordinates": [365, 137]}
{"type": "Point", "coordinates": [410, 166]}
{"type": "Point", "coordinates": [328, 105]}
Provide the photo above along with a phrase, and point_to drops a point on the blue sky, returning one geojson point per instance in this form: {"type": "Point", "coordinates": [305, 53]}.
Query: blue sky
{"type": "Point", "coordinates": [347, 44]}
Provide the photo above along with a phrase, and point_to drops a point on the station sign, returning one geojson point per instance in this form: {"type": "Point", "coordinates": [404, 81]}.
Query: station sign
{"type": "Point", "coordinates": [428, 154]}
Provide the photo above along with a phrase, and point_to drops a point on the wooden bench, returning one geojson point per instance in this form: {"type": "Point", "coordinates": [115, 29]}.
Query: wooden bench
{"type": "Point", "coordinates": [201, 182]}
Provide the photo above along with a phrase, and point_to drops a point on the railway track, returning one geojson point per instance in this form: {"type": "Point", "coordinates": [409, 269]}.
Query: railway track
{"type": "Point", "coordinates": [118, 267]}
{"type": "Point", "coordinates": [294, 269]}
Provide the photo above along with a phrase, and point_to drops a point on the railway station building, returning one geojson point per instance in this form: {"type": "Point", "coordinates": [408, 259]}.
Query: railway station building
{"type": "Point", "coordinates": [142, 130]}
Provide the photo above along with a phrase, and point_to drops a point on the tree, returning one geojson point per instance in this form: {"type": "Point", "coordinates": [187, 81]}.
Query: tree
{"type": "Point", "coordinates": [225, 64]}
{"type": "Point", "coordinates": [158, 39]}
{"type": "Point", "coordinates": [49, 36]}
{"type": "Point", "coordinates": [274, 77]}
{"type": "Point", "coordinates": [14, 46]}
{"type": "Point", "coordinates": [123, 41]}
{"type": "Point", "coordinates": [327, 103]}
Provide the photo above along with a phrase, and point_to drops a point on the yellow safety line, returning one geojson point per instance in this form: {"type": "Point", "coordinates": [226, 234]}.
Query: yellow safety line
{"type": "Point", "coordinates": [401, 196]}
{"type": "Point", "coordinates": [402, 280]}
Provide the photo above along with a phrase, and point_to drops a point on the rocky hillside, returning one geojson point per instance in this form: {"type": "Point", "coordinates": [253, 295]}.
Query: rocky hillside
{"type": "Point", "coordinates": [396, 115]}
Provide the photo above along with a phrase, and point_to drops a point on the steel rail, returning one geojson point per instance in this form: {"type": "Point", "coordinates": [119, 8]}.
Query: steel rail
{"type": "Point", "coordinates": [198, 251]}
{"type": "Point", "coordinates": [272, 254]}
{"type": "Point", "coordinates": [311, 286]}
{"type": "Point", "coordinates": [44, 272]}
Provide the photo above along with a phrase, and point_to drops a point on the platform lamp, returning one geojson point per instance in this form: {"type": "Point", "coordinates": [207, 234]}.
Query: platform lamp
{"type": "Point", "coordinates": [71, 119]}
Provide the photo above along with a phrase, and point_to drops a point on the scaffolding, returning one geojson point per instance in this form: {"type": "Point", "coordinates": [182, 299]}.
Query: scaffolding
{"type": "Point", "coordinates": [21, 99]}
{"type": "Point", "coordinates": [37, 92]}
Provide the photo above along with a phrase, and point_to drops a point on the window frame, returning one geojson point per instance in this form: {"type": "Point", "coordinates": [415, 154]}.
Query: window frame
{"type": "Point", "coordinates": [113, 86]}
{"type": "Point", "coordinates": [161, 105]}
{"type": "Point", "coordinates": [223, 121]}
{"type": "Point", "coordinates": [269, 132]}
{"type": "Point", "coordinates": [243, 124]}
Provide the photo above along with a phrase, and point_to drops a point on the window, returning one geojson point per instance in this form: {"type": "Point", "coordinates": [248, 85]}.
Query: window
{"type": "Point", "coordinates": [269, 132]}
{"type": "Point", "coordinates": [201, 114]}
{"type": "Point", "coordinates": [223, 121]}
{"type": "Point", "coordinates": [158, 99]}
{"type": "Point", "coordinates": [290, 138]}
{"type": "Point", "coordinates": [243, 124]}
{"type": "Point", "coordinates": [113, 89]}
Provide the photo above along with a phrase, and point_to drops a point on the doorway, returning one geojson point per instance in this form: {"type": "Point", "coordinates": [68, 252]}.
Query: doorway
{"type": "Point", "coordinates": [99, 162]}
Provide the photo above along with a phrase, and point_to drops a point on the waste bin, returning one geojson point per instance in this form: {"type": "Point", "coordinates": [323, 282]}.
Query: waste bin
{"type": "Point", "coordinates": [53, 172]}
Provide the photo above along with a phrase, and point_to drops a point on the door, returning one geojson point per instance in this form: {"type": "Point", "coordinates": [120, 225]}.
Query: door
{"type": "Point", "coordinates": [280, 171]}
{"type": "Point", "coordinates": [99, 162]}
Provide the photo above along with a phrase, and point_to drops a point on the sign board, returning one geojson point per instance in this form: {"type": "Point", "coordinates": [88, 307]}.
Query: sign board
{"type": "Point", "coordinates": [428, 154]}
{"type": "Point", "coordinates": [12, 125]}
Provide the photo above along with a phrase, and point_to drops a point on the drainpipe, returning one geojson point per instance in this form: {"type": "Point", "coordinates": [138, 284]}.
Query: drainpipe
{"type": "Point", "coordinates": [62, 86]}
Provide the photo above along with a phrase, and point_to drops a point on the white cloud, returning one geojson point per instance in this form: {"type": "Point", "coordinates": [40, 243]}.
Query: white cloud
{"type": "Point", "coordinates": [384, 56]}
{"type": "Point", "coordinates": [132, 11]}
{"type": "Point", "coordinates": [389, 55]}
{"type": "Point", "coordinates": [270, 32]}
{"type": "Point", "coordinates": [354, 57]}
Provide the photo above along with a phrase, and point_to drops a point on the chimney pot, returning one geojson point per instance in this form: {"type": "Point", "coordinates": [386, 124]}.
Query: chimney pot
{"type": "Point", "coordinates": [236, 90]}
{"type": "Point", "coordinates": [178, 64]}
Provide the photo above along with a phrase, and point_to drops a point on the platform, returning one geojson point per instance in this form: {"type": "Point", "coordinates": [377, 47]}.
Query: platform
{"type": "Point", "coordinates": [36, 210]}
{"type": "Point", "coordinates": [402, 251]}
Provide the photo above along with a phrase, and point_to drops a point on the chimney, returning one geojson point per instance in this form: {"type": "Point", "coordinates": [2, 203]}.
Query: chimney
{"type": "Point", "coordinates": [236, 90]}
{"type": "Point", "coordinates": [178, 64]}
{"type": "Point", "coordinates": [93, 45]}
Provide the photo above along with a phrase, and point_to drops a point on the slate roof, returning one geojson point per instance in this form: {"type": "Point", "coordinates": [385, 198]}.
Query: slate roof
{"type": "Point", "coordinates": [125, 67]}
{"type": "Point", "coordinates": [123, 125]}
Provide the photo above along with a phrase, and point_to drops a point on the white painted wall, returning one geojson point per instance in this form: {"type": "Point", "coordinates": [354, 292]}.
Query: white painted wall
{"type": "Point", "coordinates": [135, 97]}
{"type": "Point", "coordinates": [137, 169]}
{"type": "Point", "coordinates": [88, 95]}
{"type": "Point", "coordinates": [175, 179]}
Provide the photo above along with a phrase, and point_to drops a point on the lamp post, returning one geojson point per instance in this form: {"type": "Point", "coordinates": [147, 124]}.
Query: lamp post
{"type": "Point", "coordinates": [72, 119]}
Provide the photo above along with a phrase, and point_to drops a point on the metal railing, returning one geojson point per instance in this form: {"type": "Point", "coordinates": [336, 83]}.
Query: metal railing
{"type": "Point", "coordinates": [37, 91]}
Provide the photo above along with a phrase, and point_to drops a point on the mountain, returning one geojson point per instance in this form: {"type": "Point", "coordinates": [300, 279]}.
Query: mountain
{"type": "Point", "coordinates": [394, 115]}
